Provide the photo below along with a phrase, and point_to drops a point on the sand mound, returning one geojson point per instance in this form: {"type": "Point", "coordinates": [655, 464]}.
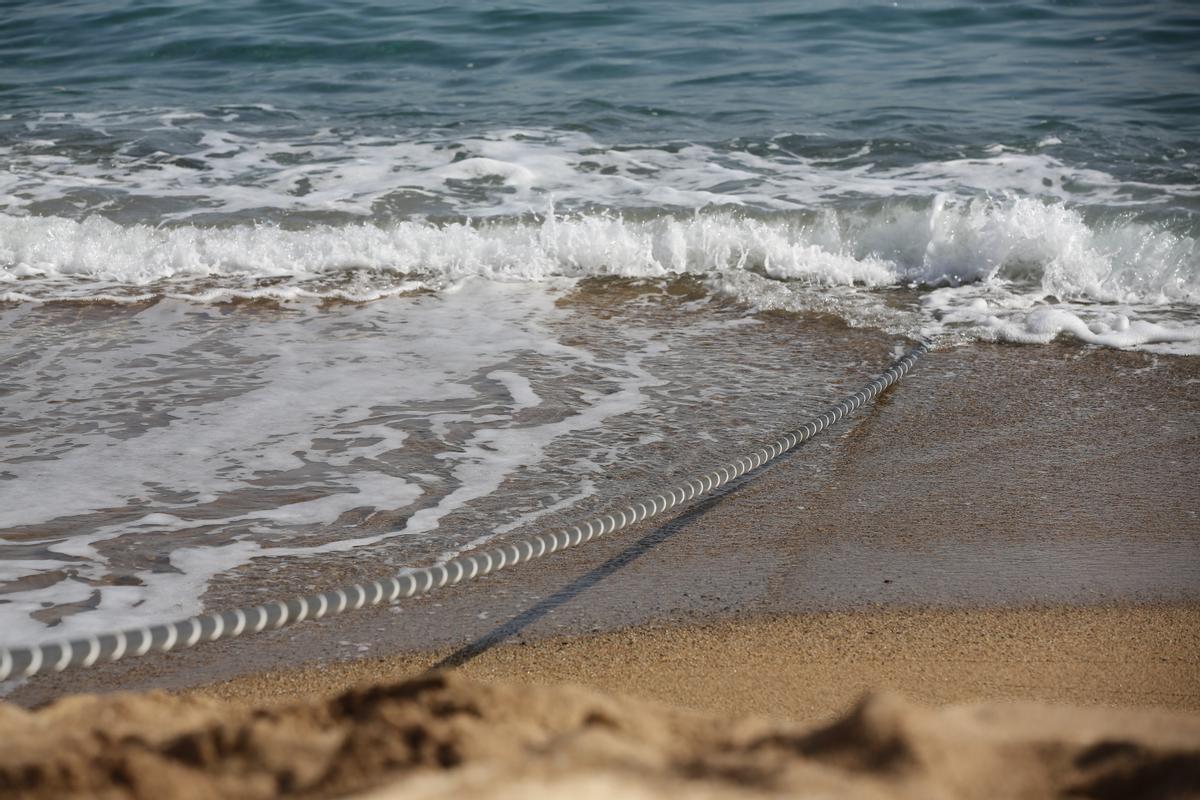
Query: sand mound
{"type": "Point", "coordinates": [441, 735]}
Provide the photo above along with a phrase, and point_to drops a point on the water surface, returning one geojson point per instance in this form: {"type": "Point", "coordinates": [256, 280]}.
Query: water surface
{"type": "Point", "coordinates": [288, 288]}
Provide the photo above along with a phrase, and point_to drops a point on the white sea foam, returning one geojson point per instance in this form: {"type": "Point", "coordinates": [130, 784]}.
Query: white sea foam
{"type": "Point", "coordinates": [997, 312]}
{"type": "Point", "coordinates": [1009, 215]}
{"type": "Point", "coordinates": [253, 171]}
{"type": "Point", "coordinates": [261, 457]}
{"type": "Point", "coordinates": [949, 241]}
{"type": "Point", "coordinates": [1038, 251]}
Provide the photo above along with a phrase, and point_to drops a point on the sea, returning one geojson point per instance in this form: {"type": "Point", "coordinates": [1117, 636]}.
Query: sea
{"type": "Point", "coordinates": [293, 292]}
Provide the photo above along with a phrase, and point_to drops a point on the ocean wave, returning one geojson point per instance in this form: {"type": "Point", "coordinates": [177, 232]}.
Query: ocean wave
{"type": "Point", "coordinates": [1019, 270]}
{"type": "Point", "coordinates": [1050, 247]}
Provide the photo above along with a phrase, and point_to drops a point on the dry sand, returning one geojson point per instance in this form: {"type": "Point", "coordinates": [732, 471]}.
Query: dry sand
{"type": "Point", "coordinates": [446, 736]}
{"type": "Point", "coordinates": [812, 666]}
{"type": "Point", "coordinates": [772, 706]}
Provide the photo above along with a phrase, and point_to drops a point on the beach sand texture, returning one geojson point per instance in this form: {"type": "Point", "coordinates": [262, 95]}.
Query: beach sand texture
{"type": "Point", "coordinates": [447, 736]}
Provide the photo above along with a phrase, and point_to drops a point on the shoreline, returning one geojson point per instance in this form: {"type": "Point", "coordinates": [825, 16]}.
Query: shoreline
{"type": "Point", "coordinates": [959, 488]}
{"type": "Point", "coordinates": [1020, 578]}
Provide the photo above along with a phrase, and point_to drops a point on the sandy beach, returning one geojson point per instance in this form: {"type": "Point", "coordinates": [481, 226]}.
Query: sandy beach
{"type": "Point", "coordinates": [971, 485]}
{"type": "Point", "coordinates": [354, 358]}
{"type": "Point", "coordinates": [1049, 703]}
{"type": "Point", "coordinates": [1036, 641]}
{"type": "Point", "coordinates": [812, 667]}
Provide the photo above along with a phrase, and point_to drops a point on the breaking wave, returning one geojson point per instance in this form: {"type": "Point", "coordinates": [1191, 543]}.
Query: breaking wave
{"type": "Point", "coordinates": [1013, 256]}
{"type": "Point", "coordinates": [947, 242]}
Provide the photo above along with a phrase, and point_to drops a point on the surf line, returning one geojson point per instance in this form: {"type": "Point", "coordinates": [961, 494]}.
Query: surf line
{"type": "Point", "coordinates": [88, 651]}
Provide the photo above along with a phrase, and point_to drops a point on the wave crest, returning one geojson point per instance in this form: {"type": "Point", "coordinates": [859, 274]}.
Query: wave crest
{"type": "Point", "coordinates": [1051, 248]}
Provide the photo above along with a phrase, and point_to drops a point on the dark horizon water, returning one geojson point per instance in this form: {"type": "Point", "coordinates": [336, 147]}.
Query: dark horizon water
{"type": "Point", "coordinates": [1114, 74]}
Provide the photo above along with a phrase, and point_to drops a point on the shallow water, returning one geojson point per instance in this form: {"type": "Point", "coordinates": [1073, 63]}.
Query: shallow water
{"type": "Point", "coordinates": [153, 447]}
{"type": "Point", "coordinates": [296, 285]}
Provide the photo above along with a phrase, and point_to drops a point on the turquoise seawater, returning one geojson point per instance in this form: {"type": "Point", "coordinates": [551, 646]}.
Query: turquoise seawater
{"type": "Point", "coordinates": [124, 83]}
{"type": "Point", "coordinates": [1118, 80]}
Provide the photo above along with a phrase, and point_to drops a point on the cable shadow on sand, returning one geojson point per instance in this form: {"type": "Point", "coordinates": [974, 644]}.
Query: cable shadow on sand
{"type": "Point", "coordinates": [593, 577]}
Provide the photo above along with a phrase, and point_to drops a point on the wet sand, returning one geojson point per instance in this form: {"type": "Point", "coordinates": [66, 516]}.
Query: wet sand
{"type": "Point", "coordinates": [992, 477]}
